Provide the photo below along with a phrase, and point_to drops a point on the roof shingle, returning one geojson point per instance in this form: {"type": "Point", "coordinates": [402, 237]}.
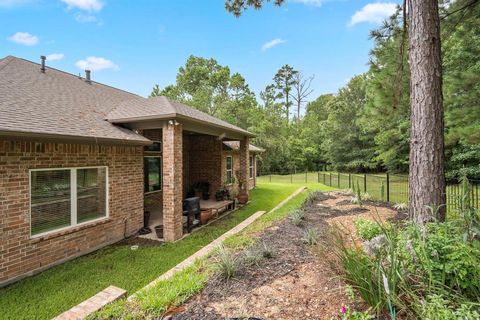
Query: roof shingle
{"type": "Point", "coordinates": [162, 107]}
{"type": "Point", "coordinates": [59, 104]}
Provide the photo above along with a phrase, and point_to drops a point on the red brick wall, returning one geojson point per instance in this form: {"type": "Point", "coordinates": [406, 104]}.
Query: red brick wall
{"type": "Point", "coordinates": [21, 255]}
{"type": "Point", "coordinates": [236, 170]}
{"type": "Point", "coordinates": [172, 182]}
{"type": "Point", "coordinates": [205, 161]}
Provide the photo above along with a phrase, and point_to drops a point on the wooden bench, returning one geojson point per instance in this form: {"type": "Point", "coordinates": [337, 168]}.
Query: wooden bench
{"type": "Point", "coordinates": [215, 206]}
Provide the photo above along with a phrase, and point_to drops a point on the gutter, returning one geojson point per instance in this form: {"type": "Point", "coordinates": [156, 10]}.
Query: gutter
{"type": "Point", "coordinates": [70, 138]}
{"type": "Point", "coordinates": [171, 116]}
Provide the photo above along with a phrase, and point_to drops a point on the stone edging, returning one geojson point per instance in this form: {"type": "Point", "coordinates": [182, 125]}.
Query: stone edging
{"type": "Point", "coordinates": [87, 307]}
{"type": "Point", "coordinates": [215, 243]}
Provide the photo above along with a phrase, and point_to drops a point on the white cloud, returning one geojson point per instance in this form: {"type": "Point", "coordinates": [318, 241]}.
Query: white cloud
{"type": "Point", "coordinates": [86, 5]}
{"type": "Point", "coordinates": [315, 3]}
{"type": "Point", "coordinates": [55, 56]}
{"type": "Point", "coordinates": [85, 18]}
{"type": "Point", "coordinates": [374, 13]}
{"type": "Point", "coordinates": [96, 64]}
{"type": "Point", "coordinates": [24, 38]}
{"type": "Point", "coordinates": [272, 43]}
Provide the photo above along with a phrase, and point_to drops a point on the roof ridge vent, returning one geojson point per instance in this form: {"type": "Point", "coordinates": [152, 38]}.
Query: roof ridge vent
{"type": "Point", "coordinates": [42, 68]}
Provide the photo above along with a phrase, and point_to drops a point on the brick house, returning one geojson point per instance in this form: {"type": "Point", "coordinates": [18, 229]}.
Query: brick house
{"type": "Point", "coordinates": [78, 158]}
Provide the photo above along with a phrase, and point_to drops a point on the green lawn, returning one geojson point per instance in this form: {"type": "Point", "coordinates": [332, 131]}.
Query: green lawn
{"type": "Point", "coordinates": [53, 291]}
{"type": "Point", "coordinates": [374, 182]}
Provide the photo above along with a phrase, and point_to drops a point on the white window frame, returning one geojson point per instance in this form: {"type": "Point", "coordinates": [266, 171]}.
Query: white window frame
{"type": "Point", "coordinates": [251, 166]}
{"type": "Point", "coordinates": [73, 199]}
{"type": "Point", "coordinates": [228, 183]}
{"type": "Point", "coordinates": [150, 155]}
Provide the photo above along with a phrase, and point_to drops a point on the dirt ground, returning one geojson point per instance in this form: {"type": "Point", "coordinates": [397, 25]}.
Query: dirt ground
{"type": "Point", "coordinates": [298, 281]}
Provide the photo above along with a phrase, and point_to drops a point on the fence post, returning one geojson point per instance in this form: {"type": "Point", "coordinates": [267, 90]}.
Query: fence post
{"type": "Point", "coordinates": [324, 179]}
{"type": "Point", "coordinates": [330, 179]}
{"type": "Point", "coordinates": [388, 187]}
{"type": "Point", "coordinates": [306, 176]}
{"type": "Point", "coordinates": [270, 177]}
{"type": "Point", "coordinates": [338, 180]}
{"type": "Point", "coordinates": [318, 177]}
{"type": "Point", "coordinates": [349, 181]}
{"type": "Point", "coordinates": [365, 182]}
{"type": "Point", "coordinates": [291, 177]}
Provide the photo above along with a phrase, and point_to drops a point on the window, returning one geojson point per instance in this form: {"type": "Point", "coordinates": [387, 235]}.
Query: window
{"type": "Point", "coordinates": [155, 147]}
{"type": "Point", "coordinates": [229, 170]}
{"type": "Point", "coordinates": [63, 198]}
{"type": "Point", "coordinates": [251, 167]}
{"type": "Point", "coordinates": [152, 166]}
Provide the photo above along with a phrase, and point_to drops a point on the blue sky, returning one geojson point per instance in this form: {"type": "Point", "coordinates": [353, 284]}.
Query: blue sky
{"type": "Point", "coordinates": [135, 44]}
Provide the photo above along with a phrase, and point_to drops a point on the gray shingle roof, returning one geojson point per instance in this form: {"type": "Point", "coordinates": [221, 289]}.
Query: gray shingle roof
{"type": "Point", "coordinates": [162, 107]}
{"type": "Point", "coordinates": [235, 145]}
{"type": "Point", "coordinates": [59, 104]}
{"type": "Point", "coordinates": [56, 103]}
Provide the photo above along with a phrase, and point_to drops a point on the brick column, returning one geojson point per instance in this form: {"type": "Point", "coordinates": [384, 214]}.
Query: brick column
{"type": "Point", "coordinates": [172, 142]}
{"type": "Point", "coordinates": [244, 164]}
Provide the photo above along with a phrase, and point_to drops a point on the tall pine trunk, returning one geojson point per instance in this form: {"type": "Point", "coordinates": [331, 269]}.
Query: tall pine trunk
{"type": "Point", "coordinates": [427, 177]}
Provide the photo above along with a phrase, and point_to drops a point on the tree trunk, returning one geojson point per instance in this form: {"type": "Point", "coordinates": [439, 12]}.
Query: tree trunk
{"type": "Point", "coordinates": [427, 177]}
{"type": "Point", "coordinates": [287, 105]}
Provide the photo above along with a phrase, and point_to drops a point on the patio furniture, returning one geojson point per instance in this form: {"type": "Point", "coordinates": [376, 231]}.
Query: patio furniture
{"type": "Point", "coordinates": [216, 206]}
{"type": "Point", "coordinates": [191, 209]}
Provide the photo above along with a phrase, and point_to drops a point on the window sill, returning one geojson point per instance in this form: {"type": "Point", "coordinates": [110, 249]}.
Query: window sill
{"type": "Point", "coordinates": [152, 192]}
{"type": "Point", "coordinates": [68, 230]}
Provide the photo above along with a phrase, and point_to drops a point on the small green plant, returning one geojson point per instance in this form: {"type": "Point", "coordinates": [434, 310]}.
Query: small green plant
{"type": "Point", "coordinates": [402, 206]}
{"type": "Point", "coordinates": [227, 263]}
{"type": "Point", "coordinates": [358, 198]}
{"type": "Point", "coordinates": [437, 307]}
{"type": "Point", "coordinates": [367, 229]}
{"type": "Point", "coordinates": [267, 252]}
{"type": "Point", "coordinates": [348, 314]}
{"type": "Point", "coordinates": [297, 217]}
{"type": "Point", "coordinates": [310, 236]}
{"type": "Point", "coordinates": [251, 257]}
{"type": "Point", "coordinates": [366, 196]}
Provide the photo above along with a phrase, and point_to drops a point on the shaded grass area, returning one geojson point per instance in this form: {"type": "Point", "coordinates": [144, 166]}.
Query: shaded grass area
{"type": "Point", "coordinates": [53, 291]}
{"type": "Point", "coordinates": [166, 294]}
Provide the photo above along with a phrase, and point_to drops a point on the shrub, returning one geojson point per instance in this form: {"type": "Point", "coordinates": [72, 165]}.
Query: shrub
{"type": "Point", "coordinates": [441, 254]}
{"type": "Point", "coordinates": [310, 236]}
{"type": "Point", "coordinates": [227, 263]}
{"type": "Point", "coordinates": [437, 308]}
{"type": "Point", "coordinates": [423, 267]}
{"type": "Point", "coordinates": [297, 217]}
{"type": "Point", "coordinates": [367, 229]}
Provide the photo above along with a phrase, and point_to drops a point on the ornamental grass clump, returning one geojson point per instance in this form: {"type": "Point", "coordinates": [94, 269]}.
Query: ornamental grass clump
{"type": "Point", "coordinates": [267, 251]}
{"type": "Point", "coordinates": [226, 264]}
{"type": "Point", "coordinates": [310, 236]}
{"type": "Point", "coordinates": [297, 217]}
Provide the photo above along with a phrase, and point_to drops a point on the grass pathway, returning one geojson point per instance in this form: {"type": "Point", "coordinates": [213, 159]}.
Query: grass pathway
{"type": "Point", "coordinates": [58, 289]}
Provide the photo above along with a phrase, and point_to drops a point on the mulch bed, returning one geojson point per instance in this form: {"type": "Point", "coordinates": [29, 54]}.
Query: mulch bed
{"type": "Point", "coordinates": [297, 282]}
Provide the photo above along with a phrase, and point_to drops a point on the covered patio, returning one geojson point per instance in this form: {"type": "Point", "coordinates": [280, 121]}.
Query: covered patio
{"type": "Point", "coordinates": [186, 160]}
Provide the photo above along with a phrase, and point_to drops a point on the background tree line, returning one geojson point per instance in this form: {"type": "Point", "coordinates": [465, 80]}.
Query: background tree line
{"type": "Point", "coordinates": [365, 126]}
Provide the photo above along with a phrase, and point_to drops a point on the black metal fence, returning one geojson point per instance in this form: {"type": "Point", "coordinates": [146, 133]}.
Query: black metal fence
{"type": "Point", "coordinates": [383, 187]}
